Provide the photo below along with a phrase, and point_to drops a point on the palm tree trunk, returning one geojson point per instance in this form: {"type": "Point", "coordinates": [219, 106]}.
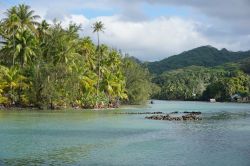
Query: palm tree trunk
{"type": "Point", "coordinates": [98, 38]}
{"type": "Point", "coordinates": [98, 53]}
{"type": "Point", "coordinates": [13, 38]}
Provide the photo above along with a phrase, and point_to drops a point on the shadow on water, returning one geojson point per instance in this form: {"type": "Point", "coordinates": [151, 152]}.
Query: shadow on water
{"type": "Point", "coordinates": [63, 156]}
{"type": "Point", "coordinates": [226, 115]}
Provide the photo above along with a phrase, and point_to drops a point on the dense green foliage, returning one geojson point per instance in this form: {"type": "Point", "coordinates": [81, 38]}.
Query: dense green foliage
{"type": "Point", "coordinates": [138, 81]}
{"type": "Point", "coordinates": [201, 83]}
{"type": "Point", "coordinates": [201, 74]}
{"type": "Point", "coordinates": [245, 65]}
{"type": "Point", "coordinates": [48, 65]}
{"type": "Point", "coordinates": [186, 83]}
{"type": "Point", "coordinates": [223, 89]}
{"type": "Point", "coordinates": [203, 56]}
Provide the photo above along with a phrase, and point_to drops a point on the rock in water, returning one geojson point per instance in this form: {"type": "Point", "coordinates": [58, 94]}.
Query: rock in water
{"type": "Point", "coordinates": [193, 112]}
{"type": "Point", "coordinates": [188, 117]}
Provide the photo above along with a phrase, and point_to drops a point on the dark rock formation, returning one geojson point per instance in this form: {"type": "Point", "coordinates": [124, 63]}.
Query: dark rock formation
{"type": "Point", "coordinates": [191, 117]}
{"type": "Point", "coordinates": [193, 112]}
{"type": "Point", "coordinates": [140, 113]}
{"type": "Point", "coordinates": [176, 112]}
{"type": "Point", "coordinates": [188, 117]}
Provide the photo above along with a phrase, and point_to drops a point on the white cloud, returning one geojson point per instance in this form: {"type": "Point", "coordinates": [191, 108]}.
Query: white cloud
{"type": "Point", "coordinates": [153, 39]}
{"type": "Point", "coordinates": [79, 19]}
{"type": "Point", "coordinates": [147, 40]}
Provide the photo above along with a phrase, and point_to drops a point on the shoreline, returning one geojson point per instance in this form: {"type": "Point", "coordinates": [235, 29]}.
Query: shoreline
{"type": "Point", "coordinates": [202, 101]}
{"type": "Point", "coordinates": [121, 107]}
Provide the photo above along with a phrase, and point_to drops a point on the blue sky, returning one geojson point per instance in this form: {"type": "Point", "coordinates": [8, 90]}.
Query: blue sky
{"type": "Point", "coordinates": [153, 29]}
{"type": "Point", "coordinates": [150, 11]}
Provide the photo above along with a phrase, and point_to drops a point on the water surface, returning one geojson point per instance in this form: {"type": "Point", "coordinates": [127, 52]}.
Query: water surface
{"type": "Point", "coordinates": [105, 138]}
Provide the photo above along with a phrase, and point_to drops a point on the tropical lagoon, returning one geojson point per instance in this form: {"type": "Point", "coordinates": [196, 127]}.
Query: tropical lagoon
{"type": "Point", "coordinates": [76, 78]}
{"type": "Point", "coordinates": [80, 137]}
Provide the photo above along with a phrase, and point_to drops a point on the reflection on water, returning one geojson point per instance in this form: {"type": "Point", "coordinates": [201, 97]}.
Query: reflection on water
{"type": "Point", "coordinates": [107, 138]}
{"type": "Point", "coordinates": [227, 115]}
{"type": "Point", "coordinates": [62, 156]}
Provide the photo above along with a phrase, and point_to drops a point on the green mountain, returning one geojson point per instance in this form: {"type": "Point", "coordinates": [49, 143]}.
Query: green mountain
{"type": "Point", "coordinates": [206, 56]}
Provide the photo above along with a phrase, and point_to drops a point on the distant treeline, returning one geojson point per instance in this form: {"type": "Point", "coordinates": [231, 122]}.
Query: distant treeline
{"type": "Point", "coordinates": [200, 83]}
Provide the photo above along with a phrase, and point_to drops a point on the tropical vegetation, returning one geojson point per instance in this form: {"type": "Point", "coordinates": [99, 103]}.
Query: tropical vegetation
{"type": "Point", "coordinates": [201, 83]}
{"type": "Point", "coordinates": [201, 74]}
{"type": "Point", "coordinates": [48, 65]}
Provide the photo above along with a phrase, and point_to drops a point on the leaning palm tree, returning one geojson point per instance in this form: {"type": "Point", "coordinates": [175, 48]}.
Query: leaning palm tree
{"type": "Point", "coordinates": [98, 27]}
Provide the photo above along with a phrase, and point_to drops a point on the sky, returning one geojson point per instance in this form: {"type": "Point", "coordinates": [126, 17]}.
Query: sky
{"type": "Point", "coordinates": [153, 29]}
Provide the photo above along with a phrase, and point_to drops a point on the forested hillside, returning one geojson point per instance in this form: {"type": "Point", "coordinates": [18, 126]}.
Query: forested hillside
{"type": "Point", "coordinates": [201, 83]}
{"type": "Point", "coordinates": [202, 56]}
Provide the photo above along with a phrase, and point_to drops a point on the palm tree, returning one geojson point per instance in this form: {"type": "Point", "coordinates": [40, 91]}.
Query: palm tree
{"type": "Point", "coordinates": [27, 18]}
{"type": "Point", "coordinates": [60, 45]}
{"type": "Point", "coordinates": [24, 47]}
{"type": "Point", "coordinates": [11, 22]}
{"type": "Point", "coordinates": [98, 27]}
{"type": "Point", "coordinates": [18, 34]}
{"type": "Point", "coordinates": [13, 81]}
{"type": "Point", "coordinates": [20, 17]}
{"type": "Point", "coordinates": [21, 49]}
{"type": "Point", "coordinates": [87, 49]}
{"type": "Point", "coordinates": [43, 28]}
{"type": "Point", "coordinates": [73, 30]}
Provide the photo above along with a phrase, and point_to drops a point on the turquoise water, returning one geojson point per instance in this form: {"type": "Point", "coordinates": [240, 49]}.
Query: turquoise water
{"type": "Point", "coordinates": [222, 138]}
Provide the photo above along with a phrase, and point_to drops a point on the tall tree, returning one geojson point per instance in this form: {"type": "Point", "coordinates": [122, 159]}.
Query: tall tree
{"type": "Point", "coordinates": [19, 29]}
{"type": "Point", "coordinates": [20, 16]}
{"type": "Point", "coordinates": [98, 27]}
{"type": "Point", "coordinates": [22, 48]}
{"type": "Point", "coordinates": [43, 29]}
{"type": "Point", "coordinates": [49, 65]}
{"type": "Point", "coordinates": [138, 81]}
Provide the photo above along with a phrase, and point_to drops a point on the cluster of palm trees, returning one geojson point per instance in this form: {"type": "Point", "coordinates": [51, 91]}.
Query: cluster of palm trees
{"type": "Point", "coordinates": [48, 65]}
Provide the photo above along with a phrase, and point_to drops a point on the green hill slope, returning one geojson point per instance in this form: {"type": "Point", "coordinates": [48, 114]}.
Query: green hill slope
{"type": "Point", "coordinates": [206, 56]}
